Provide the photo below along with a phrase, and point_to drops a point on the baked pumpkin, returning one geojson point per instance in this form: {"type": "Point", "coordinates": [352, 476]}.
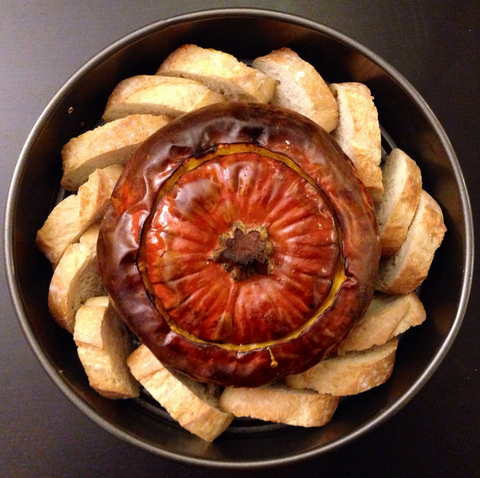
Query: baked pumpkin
{"type": "Point", "coordinates": [240, 245]}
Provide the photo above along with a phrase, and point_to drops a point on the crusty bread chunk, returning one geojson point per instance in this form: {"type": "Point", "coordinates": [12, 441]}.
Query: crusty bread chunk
{"type": "Point", "coordinates": [386, 317]}
{"type": "Point", "coordinates": [280, 404]}
{"type": "Point", "coordinates": [111, 143]}
{"type": "Point", "coordinates": [75, 279]}
{"type": "Point", "coordinates": [76, 213]}
{"type": "Point", "coordinates": [158, 95]}
{"type": "Point", "coordinates": [349, 374]}
{"type": "Point", "coordinates": [408, 267]}
{"type": "Point", "coordinates": [300, 87]}
{"type": "Point", "coordinates": [103, 345]}
{"type": "Point", "coordinates": [192, 404]}
{"type": "Point", "coordinates": [402, 184]}
{"type": "Point", "coordinates": [358, 133]}
{"type": "Point", "coordinates": [219, 71]}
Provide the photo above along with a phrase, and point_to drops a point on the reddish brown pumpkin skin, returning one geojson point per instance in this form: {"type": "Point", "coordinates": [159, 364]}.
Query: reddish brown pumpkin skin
{"type": "Point", "coordinates": [194, 135]}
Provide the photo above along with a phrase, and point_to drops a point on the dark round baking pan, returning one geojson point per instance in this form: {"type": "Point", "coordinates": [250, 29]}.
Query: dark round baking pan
{"type": "Point", "coordinates": [407, 122]}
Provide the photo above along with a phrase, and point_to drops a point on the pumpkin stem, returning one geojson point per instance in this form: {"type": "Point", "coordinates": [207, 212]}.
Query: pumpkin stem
{"type": "Point", "coordinates": [244, 252]}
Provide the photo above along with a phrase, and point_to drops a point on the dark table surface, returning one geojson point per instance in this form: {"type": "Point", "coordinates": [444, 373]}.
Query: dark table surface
{"type": "Point", "coordinates": [435, 44]}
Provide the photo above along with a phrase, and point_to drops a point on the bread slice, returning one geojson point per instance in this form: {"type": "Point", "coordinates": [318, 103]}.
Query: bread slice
{"type": "Point", "coordinates": [103, 345]}
{"type": "Point", "coordinates": [219, 71]}
{"type": "Point", "coordinates": [98, 301]}
{"type": "Point", "coordinates": [53, 239]}
{"type": "Point", "coordinates": [386, 317]}
{"type": "Point", "coordinates": [349, 374]}
{"type": "Point", "coordinates": [300, 87]}
{"type": "Point", "coordinates": [358, 133]}
{"type": "Point", "coordinates": [111, 143]}
{"type": "Point", "coordinates": [76, 213]}
{"type": "Point", "coordinates": [280, 404]}
{"type": "Point", "coordinates": [75, 279]}
{"type": "Point", "coordinates": [402, 183]}
{"type": "Point", "coordinates": [408, 267]}
{"type": "Point", "coordinates": [191, 403]}
{"type": "Point", "coordinates": [158, 95]}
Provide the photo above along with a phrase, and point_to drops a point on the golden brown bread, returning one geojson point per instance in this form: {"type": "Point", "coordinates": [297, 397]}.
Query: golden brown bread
{"type": "Point", "coordinates": [280, 404]}
{"type": "Point", "coordinates": [158, 95]}
{"type": "Point", "coordinates": [103, 345]}
{"type": "Point", "coordinates": [75, 279]}
{"type": "Point", "coordinates": [386, 317]}
{"type": "Point", "coordinates": [349, 374]}
{"type": "Point", "coordinates": [358, 133]}
{"type": "Point", "coordinates": [408, 267]}
{"type": "Point", "coordinates": [221, 72]}
{"type": "Point", "coordinates": [76, 213]}
{"type": "Point", "coordinates": [402, 182]}
{"type": "Point", "coordinates": [111, 143]}
{"type": "Point", "coordinates": [194, 405]}
{"type": "Point", "coordinates": [300, 87]}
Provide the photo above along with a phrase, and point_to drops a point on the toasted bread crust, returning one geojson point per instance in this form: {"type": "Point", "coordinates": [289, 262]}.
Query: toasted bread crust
{"type": "Point", "coordinates": [53, 240]}
{"type": "Point", "coordinates": [219, 71]}
{"type": "Point", "coordinates": [350, 374]}
{"type": "Point", "coordinates": [76, 213]}
{"type": "Point", "coordinates": [103, 345]}
{"type": "Point", "coordinates": [280, 405]}
{"type": "Point", "coordinates": [402, 182]}
{"type": "Point", "coordinates": [408, 267]}
{"type": "Point", "coordinates": [158, 95]}
{"type": "Point", "coordinates": [358, 133]}
{"type": "Point", "coordinates": [75, 279]}
{"type": "Point", "coordinates": [111, 143]}
{"type": "Point", "coordinates": [300, 87]}
{"type": "Point", "coordinates": [386, 317]}
{"type": "Point", "coordinates": [190, 403]}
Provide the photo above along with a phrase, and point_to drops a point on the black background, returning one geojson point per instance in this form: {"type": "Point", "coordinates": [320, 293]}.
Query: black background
{"type": "Point", "coordinates": [435, 44]}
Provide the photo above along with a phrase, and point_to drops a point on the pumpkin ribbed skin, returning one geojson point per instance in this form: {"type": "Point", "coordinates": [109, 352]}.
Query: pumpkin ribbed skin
{"type": "Point", "coordinates": [155, 270]}
{"type": "Point", "coordinates": [199, 295]}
